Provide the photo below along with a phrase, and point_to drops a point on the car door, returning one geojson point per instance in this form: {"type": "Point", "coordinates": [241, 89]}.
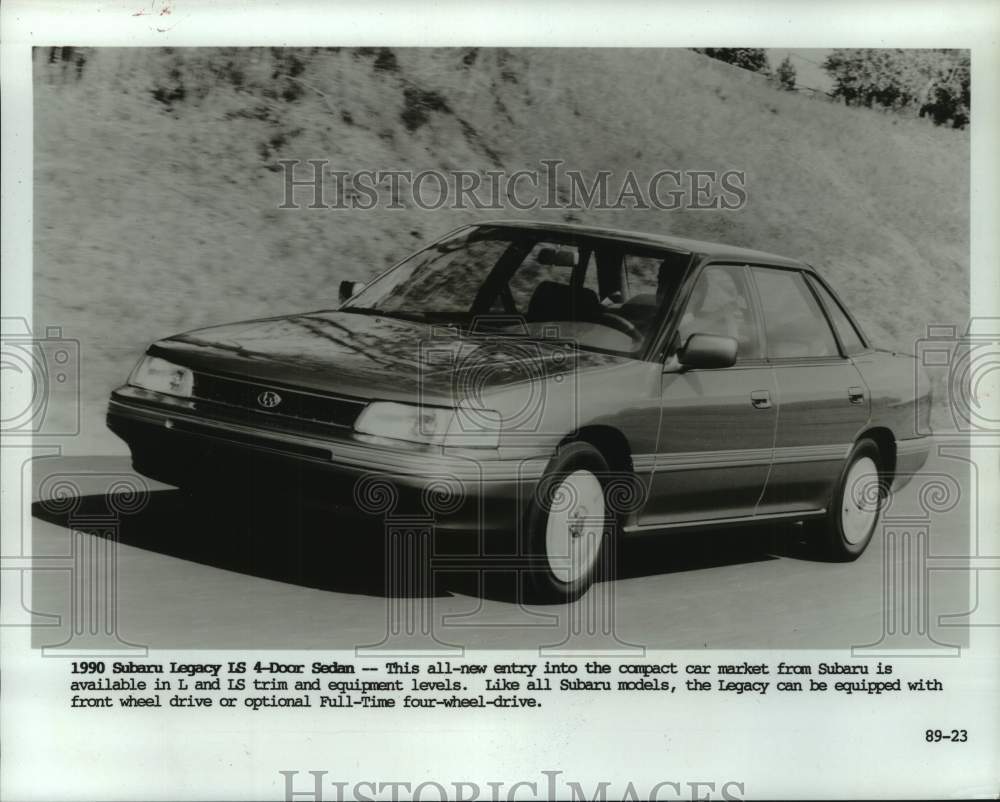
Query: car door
{"type": "Point", "coordinates": [717, 425]}
{"type": "Point", "coordinates": [823, 401]}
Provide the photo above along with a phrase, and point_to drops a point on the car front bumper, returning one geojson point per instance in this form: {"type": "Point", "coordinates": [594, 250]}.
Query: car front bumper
{"type": "Point", "coordinates": [171, 442]}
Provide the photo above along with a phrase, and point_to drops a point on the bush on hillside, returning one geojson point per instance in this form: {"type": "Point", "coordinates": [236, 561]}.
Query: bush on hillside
{"type": "Point", "coordinates": [932, 83]}
{"type": "Point", "coordinates": [748, 58]}
{"type": "Point", "coordinates": [786, 74]}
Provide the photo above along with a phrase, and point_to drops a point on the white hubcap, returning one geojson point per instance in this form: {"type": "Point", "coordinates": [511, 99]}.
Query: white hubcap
{"type": "Point", "coordinates": [575, 526]}
{"type": "Point", "coordinates": [859, 505]}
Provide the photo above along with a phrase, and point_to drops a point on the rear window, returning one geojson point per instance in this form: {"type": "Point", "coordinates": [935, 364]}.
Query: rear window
{"type": "Point", "coordinates": [795, 325]}
{"type": "Point", "coordinates": [849, 335]}
{"type": "Point", "coordinates": [546, 262]}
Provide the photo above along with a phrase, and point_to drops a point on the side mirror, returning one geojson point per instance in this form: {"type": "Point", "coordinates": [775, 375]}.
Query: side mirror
{"type": "Point", "coordinates": [708, 351]}
{"type": "Point", "coordinates": [348, 289]}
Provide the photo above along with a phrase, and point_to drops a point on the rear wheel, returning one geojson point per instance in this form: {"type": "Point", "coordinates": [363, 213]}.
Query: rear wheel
{"type": "Point", "coordinates": [567, 525]}
{"type": "Point", "coordinates": [856, 504]}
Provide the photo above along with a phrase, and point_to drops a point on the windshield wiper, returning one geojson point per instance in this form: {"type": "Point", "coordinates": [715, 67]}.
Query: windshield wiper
{"type": "Point", "coordinates": [362, 310]}
{"type": "Point", "coordinates": [412, 317]}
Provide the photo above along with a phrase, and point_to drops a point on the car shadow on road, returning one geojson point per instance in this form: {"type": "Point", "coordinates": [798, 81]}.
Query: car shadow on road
{"type": "Point", "coordinates": [294, 542]}
{"type": "Point", "coordinates": [650, 555]}
{"type": "Point", "coordinates": [284, 542]}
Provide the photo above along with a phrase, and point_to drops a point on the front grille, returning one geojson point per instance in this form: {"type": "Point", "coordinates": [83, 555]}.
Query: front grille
{"type": "Point", "coordinates": [294, 404]}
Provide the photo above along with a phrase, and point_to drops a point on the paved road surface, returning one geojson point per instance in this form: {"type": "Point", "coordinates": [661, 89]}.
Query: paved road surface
{"type": "Point", "coordinates": [219, 577]}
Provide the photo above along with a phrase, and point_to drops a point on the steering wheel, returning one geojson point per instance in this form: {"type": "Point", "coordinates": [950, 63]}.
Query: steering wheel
{"type": "Point", "coordinates": [622, 324]}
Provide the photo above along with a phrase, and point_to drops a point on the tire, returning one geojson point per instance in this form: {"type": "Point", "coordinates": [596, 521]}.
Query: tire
{"type": "Point", "coordinates": [855, 505]}
{"type": "Point", "coordinates": [567, 526]}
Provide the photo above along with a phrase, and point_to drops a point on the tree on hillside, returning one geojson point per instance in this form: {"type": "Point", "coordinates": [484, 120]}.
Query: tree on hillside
{"type": "Point", "coordinates": [749, 58]}
{"type": "Point", "coordinates": [932, 83]}
{"type": "Point", "coordinates": [786, 74]}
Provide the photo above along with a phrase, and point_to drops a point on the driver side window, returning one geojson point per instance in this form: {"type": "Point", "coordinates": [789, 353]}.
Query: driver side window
{"type": "Point", "coordinates": [720, 304]}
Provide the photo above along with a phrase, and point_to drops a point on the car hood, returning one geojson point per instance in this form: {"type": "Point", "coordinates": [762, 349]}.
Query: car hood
{"type": "Point", "coordinates": [374, 357]}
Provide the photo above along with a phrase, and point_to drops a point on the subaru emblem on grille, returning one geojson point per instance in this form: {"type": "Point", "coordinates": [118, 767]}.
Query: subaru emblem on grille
{"type": "Point", "coordinates": [269, 399]}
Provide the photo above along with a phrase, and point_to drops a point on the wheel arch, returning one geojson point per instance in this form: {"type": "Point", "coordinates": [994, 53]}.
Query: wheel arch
{"type": "Point", "coordinates": [610, 441]}
{"type": "Point", "coordinates": [886, 442]}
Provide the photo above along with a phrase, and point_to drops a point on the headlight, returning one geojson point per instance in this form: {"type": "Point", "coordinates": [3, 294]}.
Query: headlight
{"type": "Point", "coordinates": [461, 427]}
{"type": "Point", "coordinates": [153, 373]}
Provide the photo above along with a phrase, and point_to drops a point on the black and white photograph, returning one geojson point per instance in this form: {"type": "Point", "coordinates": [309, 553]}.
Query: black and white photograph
{"type": "Point", "coordinates": [404, 407]}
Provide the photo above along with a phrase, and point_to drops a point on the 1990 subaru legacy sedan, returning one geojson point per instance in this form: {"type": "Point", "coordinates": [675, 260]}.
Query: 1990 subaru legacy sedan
{"type": "Point", "coordinates": [561, 383]}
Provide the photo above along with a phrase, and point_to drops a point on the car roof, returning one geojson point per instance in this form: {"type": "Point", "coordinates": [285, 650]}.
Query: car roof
{"type": "Point", "coordinates": [712, 250]}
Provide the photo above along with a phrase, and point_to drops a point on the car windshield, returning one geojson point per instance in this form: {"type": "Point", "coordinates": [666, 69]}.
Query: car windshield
{"type": "Point", "coordinates": [597, 293]}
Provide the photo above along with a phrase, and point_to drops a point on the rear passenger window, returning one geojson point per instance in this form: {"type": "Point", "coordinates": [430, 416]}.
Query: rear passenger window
{"type": "Point", "coordinates": [849, 336]}
{"type": "Point", "coordinates": [793, 321]}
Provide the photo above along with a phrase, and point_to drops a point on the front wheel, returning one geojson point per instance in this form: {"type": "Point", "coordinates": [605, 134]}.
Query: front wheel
{"type": "Point", "coordinates": [567, 525]}
{"type": "Point", "coordinates": [856, 504]}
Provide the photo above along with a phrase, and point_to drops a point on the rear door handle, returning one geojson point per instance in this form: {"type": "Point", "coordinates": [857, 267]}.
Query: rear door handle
{"type": "Point", "coordinates": [856, 395]}
{"type": "Point", "coordinates": [761, 399]}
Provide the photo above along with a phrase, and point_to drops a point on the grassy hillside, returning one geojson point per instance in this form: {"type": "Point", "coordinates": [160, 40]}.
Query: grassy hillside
{"type": "Point", "coordinates": [156, 188]}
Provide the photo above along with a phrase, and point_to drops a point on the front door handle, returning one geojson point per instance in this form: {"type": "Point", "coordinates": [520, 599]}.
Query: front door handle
{"type": "Point", "coordinates": [761, 399]}
{"type": "Point", "coordinates": [856, 395]}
